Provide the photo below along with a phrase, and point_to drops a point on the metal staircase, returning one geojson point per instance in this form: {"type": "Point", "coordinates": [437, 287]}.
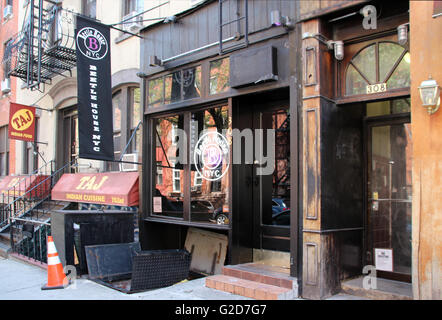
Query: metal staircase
{"type": "Point", "coordinates": [25, 219]}
{"type": "Point", "coordinates": [45, 46]}
{"type": "Point", "coordinates": [25, 193]}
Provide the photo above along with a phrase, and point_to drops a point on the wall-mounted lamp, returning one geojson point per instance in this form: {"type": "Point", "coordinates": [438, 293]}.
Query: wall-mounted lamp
{"type": "Point", "coordinates": [154, 61]}
{"type": "Point", "coordinates": [276, 20]}
{"type": "Point", "coordinates": [337, 46]}
{"type": "Point", "coordinates": [402, 34]}
{"type": "Point", "coordinates": [430, 95]}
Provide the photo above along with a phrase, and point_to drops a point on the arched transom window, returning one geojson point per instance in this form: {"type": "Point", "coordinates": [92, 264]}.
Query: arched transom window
{"type": "Point", "coordinates": [378, 63]}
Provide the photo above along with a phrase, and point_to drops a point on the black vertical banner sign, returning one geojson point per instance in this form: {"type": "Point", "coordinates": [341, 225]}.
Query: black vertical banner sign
{"type": "Point", "coordinates": [95, 126]}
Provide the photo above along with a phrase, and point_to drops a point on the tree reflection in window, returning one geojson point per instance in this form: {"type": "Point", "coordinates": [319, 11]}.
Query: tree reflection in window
{"type": "Point", "coordinates": [156, 92]}
{"type": "Point", "coordinates": [167, 195]}
{"type": "Point", "coordinates": [390, 65]}
{"type": "Point", "coordinates": [219, 76]}
{"type": "Point", "coordinates": [192, 82]}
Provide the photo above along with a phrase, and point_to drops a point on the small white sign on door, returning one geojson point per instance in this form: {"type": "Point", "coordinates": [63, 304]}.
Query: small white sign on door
{"type": "Point", "coordinates": [157, 204]}
{"type": "Point", "coordinates": [384, 259]}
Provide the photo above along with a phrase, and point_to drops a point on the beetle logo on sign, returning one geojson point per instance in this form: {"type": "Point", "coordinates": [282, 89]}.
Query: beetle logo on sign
{"type": "Point", "coordinates": [212, 150]}
{"type": "Point", "coordinates": [92, 44]}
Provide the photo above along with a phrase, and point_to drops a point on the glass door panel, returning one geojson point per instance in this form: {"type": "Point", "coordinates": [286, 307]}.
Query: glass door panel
{"type": "Point", "coordinates": [389, 197]}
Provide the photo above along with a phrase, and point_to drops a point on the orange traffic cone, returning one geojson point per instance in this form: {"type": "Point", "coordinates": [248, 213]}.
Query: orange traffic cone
{"type": "Point", "coordinates": [56, 277]}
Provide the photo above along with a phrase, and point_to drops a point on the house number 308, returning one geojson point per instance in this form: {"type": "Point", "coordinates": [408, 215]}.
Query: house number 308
{"type": "Point", "coordinates": [375, 88]}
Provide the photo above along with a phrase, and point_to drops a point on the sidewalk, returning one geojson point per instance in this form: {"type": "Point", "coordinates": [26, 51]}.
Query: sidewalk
{"type": "Point", "coordinates": [20, 281]}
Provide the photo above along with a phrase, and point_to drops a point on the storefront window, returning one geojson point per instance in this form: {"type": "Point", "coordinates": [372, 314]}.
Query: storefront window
{"type": "Point", "coordinates": [219, 76]}
{"type": "Point", "coordinates": [182, 84]}
{"type": "Point", "coordinates": [167, 196]}
{"type": "Point", "coordinates": [209, 201]}
{"type": "Point", "coordinates": [206, 164]}
{"type": "Point", "coordinates": [192, 82]}
{"type": "Point", "coordinates": [172, 87]}
{"type": "Point", "coordinates": [156, 92]}
{"type": "Point", "coordinates": [135, 118]}
{"type": "Point", "coordinates": [390, 66]}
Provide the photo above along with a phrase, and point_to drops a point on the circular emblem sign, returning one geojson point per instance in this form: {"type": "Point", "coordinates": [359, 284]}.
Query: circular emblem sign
{"type": "Point", "coordinates": [211, 152]}
{"type": "Point", "coordinates": [22, 120]}
{"type": "Point", "coordinates": [92, 44]}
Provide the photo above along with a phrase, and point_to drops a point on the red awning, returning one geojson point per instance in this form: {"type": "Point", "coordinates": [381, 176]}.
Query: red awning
{"type": "Point", "coordinates": [19, 185]}
{"type": "Point", "coordinates": [111, 188]}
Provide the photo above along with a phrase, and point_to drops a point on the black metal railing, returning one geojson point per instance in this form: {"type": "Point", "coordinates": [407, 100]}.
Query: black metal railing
{"type": "Point", "coordinates": [28, 238]}
{"type": "Point", "coordinates": [31, 226]}
{"type": "Point", "coordinates": [25, 193]}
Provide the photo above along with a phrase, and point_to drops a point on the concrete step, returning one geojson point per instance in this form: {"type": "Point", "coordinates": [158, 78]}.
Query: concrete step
{"type": "Point", "coordinates": [385, 289]}
{"type": "Point", "coordinates": [4, 250]}
{"type": "Point", "coordinates": [272, 275]}
{"type": "Point", "coordinates": [247, 288]}
{"type": "Point", "coordinates": [5, 237]}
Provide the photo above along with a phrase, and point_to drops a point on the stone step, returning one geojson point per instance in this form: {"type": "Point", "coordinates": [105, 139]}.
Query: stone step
{"type": "Point", "coordinates": [5, 237]}
{"type": "Point", "coordinates": [385, 289]}
{"type": "Point", "coordinates": [272, 275]}
{"type": "Point", "coordinates": [247, 288]}
{"type": "Point", "coordinates": [4, 250]}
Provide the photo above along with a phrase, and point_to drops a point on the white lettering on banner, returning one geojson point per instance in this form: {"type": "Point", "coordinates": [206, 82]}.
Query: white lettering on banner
{"type": "Point", "coordinates": [96, 138]}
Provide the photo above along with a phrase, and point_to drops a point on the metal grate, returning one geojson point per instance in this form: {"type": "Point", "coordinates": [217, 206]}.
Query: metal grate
{"type": "Point", "coordinates": [159, 268]}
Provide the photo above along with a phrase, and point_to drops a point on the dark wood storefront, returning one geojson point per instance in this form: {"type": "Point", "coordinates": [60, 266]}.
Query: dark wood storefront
{"type": "Point", "coordinates": [190, 88]}
{"type": "Point", "coordinates": [356, 147]}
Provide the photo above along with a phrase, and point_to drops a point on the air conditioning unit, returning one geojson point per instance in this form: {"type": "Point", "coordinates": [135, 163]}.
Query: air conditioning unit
{"type": "Point", "coordinates": [132, 24]}
{"type": "Point", "coordinates": [7, 12]}
{"type": "Point", "coordinates": [130, 157]}
{"type": "Point", "coordinates": [6, 86]}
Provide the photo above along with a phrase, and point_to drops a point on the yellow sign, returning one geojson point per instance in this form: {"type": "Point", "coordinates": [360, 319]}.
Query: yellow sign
{"type": "Point", "coordinates": [22, 120]}
{"type": "Point", "coordinates": [88, 183]}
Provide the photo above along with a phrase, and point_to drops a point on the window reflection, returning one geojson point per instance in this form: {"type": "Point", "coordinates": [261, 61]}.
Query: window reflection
{"type": "Point", "coordinates": [135, 118]}
{"type": "Point", "coordinates": [192, 82]}
{"type": "Point", "coordinates": [156, 92]}
{"type": "Point", "coordinates": [366, 64]}
{"type": "Point", "coordinates": [382, 108]}
{"type": "Point", "coordinates": [116, 106]}
{"type": "Point", "coordinates": [276, 187]}
{"type": "Point", "coordinates": [168, 182]}
{"type": "Point", "coordinates": [209, 194]}
{"type": "Point", "coordinates": [219, 76]}
{"type": "Point", "coordinates": [172, 87]}
{"type": "Point", "coordinates": [401, 76]}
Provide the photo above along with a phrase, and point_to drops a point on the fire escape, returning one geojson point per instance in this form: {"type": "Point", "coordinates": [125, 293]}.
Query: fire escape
{"type": "Point", "coordinates": [45, 46]}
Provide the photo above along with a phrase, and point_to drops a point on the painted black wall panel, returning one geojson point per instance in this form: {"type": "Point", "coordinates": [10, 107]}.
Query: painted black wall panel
{"type": "Point", "coordinates": [341, 166]}
{"type": "Point", "coordinates": [201, 27]}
